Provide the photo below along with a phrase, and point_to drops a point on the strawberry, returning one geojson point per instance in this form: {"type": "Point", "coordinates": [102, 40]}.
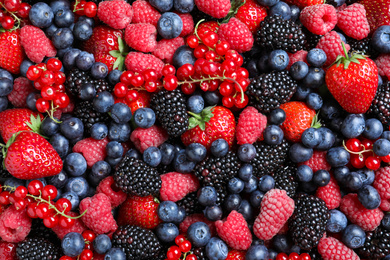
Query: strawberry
{"type": "Point", "coordinates": [353, 82]}
{"type": "Point", "coordinates": [377, 13]}
{"type": "Point", "coordinates": [11, 51]}
{"type": "Point", "coordinates": [211, 124]}
{"type": "Point", "coordinates": [236, 255]}
{"type": "Point", "coordinates": [303, 3]}
{"type": "Point", "coordinates": [215, 8]}
{"type": "Point", "coordinates": [299, 117]}
{"type": "Point", "coordinates": [31, 156]}
{"type": "Point", "coordinates": [251, 14]}
{"type": "Point", "coordinates": [210, 25]}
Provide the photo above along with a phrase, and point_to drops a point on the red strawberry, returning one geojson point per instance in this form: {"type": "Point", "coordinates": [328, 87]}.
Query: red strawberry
{"type": "Point", "coordinates": [236, 255]}
{"type": "Point", "coordinates": [377, 13]}
{"type": "Point", "coordinates": [237, 34]}
{"type": "Point", "coordinates": [251, 14]}
{"type": "Point", "coordinates": [211, 25]}
{"type": "Point", "coordinates": [211, 124]}
{"type": "Point", "coordinates": [353, 82]}
{"type": "Point", "coordinates": [31, 156]}
{"type": "Point", "coordinates": [11, 51]}
{"type": "Point", "coordinates": [303, 3]}
{"type": "Point", "coordinates": [215, 8]}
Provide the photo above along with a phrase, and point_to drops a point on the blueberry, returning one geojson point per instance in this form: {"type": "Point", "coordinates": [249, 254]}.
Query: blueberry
{"type": "Point", "coordinates": [308, 187]}
{"type": "Point", "coordinates": [183, 6]}
{"type": "Point", "coordinates": [245, 172]}
{"type": "Point", "coordinates": [207, 196]}
{"type": "Point", "coordinates": [381, 39]}
{"type": "Point", "coordinates": [337, 156]}
{"type": "Point", "coordinates": [330, 110]}
{"type": "Point", "coordinates": [278, 59]}
{"type": "Point", "coordinates": [353, 236]}
{"type": "Point", "coordinates": [266, 183]}
{"type": "Point", "coordinates": [262, 63]}
{"type": "Point", "coordinates": [246, 152]}
{"type": "Point", "coordinates": [327, 138]}
{"type": "Point", "coordinates": [120, 113]}
{"type": "Point", "coordinates": [89, 20]}
{"type": "Point", "coordinates": [353, 125]}
{"type": "Point", "coordinates": [101, 244]}
{"type": "Point", "coordinates": [339, 2]}
{"type": "Point", "coordinates": [133, 153]}
{"type": "Point", "coordinates": [78, 185]}
{"type": "Point", "coordinates": [183, 55]}
{"type": "Point", "coordinates": [181, 163]}
{"type": "Point", "coordinates": [316, 57]}
{"type": "Point", "coordinates": [314, 101]}
{"type": "Point", "coordinates": [169, 25]}
{"type": "Point", "coordinates": [367, 176]}
{"type": "Point", "coordinates": [268, 2]}
{"type": "Point", "coordinates": [381, 147]}
{"type": "Point", "coordinates": [3, 103]}
{"type": "Point", "coordinates": [302, 93]}
{"type": "Point", "coordinates": [246, 210]}
{"type": "Point", "coordinates": [99, 70]}
{"type": "Point", "coordinates": [114, 77]}
{"type": "Point", "coordinates": [311, 137]}
{"type": "Point", "coordinates": [144, 117]}
{"type": "Point", "coordinates": [354, 181]}
{"type": "Point", "coordinates": [196, 152]}
{"type": "Point", "coordinates": [72, 128]}
{"type": "Point", "coordinates": [61, 144]}
{"type": "Point", "coordinates": [13, 182]}
{"type": "Point", "coordinates": [304, 173]}
{"type": "Point", "coordinates": [213, 213]}
{"type": "Point", "coordinates": [103, 102]}
{"type": "Point", "coordinates": [216, 249]}
{"type": "Point", "coordinates": [152, 156]}
{"type": "Point", "coordinates": [119, 132]}
{"type": "Point", "coordinates": [276, 116]}
{"type": "Point", "coordinates": [64, 17]}
{"type": "Point", "coordinates": [72, 197]}
{"type": "Point", "coordinates": [315, 78]}
{"type": "Point", "coordinates": [59, 5]}
{"type": "Point", "coordinates": [386, 135]}
{"type": "Point", "coordinates": [85, 60]}
{"type": "Point", "coordinates": [321, 178]}
{"type": "Point", "coordinates": [198, 234]}
{"type": "Point", "coordinates": [299, 153]}
{"type": "Point", "coordinates": [281, 243]}
{"type": "Point", "coordinates": [114, 149]}
{"type": "Point", "coordinates": [41, 15]}
{"type": "Point", "coordinates": [99, 171]}
{"type": "Point", "coordinates": [99, 131]}
{"type": "Point", "coordinates": [167, 211]}
{"type": "Point", "coordinates": [256, 198]}
{"type": "Point", "coordinates": [232, 202]}
{"type": "Point", "coordinates": [58, 180]}
{"type": "Point", "coordinates": [369, 197]}
{"type": "Point", "coordinates": [63, 38]}
{"type": "Point", "coordinates": [167, 153]}
{"type": "Point", "coordinates": [69, 59]}
{"type": "Point", "coordinates": [113, 161]}
{"type": "Point", "coordinates": [282, 9]}
{"type": "Point", "coordinates": [6, 87]}
{"type": "Point", "coordinates": [251, 185]}
{"type": "Point", "coordinates": [82, 30]}
{"type": "Point", "coordinates": [115, 254]}
{"type": "Point", "coordinates": [235, 185]}
{"type": "Point", "coordinates": [61, 52]}
{"type": "Point", "coordinates": [49, 127]}
{"type": "Point", "coordinates": [337, 221]}
{"type": "Point", "coordinates": [50, 31]}
{"type": "Point", "coordinates": [162, 5]}
{"type": "Point", "coordinates": [342, 37]}
{"type": "Point", "coordinates": [295, 12]}
{"type": "Point", "coordinates": [181, 214]}
{"type": "Point", "coordinates": [373, 129]}
{"type": "Point", "coordinates": [273, 135]}
{"type": "Point", "coordinates": [195, 104]}
{"type": "Point", "coordinates": [386, 221]}
{"type": "Point", "coordinates": [212, 98]}
{"type": "Point", "coordinates": [219, 147]}
{"type": "Point", "coordinates": [272, 254]}
{"type": "Point", "coordinates": [257, 252]}
{"type": "Point", "coordinates": [299, 70]}
{"type": "Point", "coordinates": [23, 69]}
{"type": "Point", "coordinates": [73, 244]}
{"type": "Point", "coordinates": [167, 232]}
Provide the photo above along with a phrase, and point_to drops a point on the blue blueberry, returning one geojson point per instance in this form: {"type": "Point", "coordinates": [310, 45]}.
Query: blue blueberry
{"type": "Point", "coordinates": [72, 244]}
{"type": "Point", "coordinates": [75, 164]}
{"type": "Point", "coordinates": [251, 185]}
{"type": "Point", "coordinates": [308, 187]}
{"type": "Point", "coordinates": [59, 5]}
{"type": "Point", "coordinates": [169, 25]}
{"type": "Point", "coordinates": [133, 153]}
{"type": "Point", "coordinates": [13, 182]}
{"type": "Point", "coordinates": [272, 254]}
{"type": "Point", "coordinates": [152, 156]}
{"type": "Point", "coordinates": [99, 70]}
{"type": "Point", "coordinates": [61, 144]}
{"type": "Point", "coordinates": [167, 153]}
{"type": "Point", "coordinates": [115, 254]}
{"type": "Point", "coordinates": [328, 138]}
{"type": "Point", "coordinates": [183, 6]}
{"type": "Point", "coordinates": [337, 156]}
{"type": "Point", "coordinates": [304, 173]}
{"type": "Point", "coordinates": [41, 15]}
{"type": "Point", "coordinates": [73, 198]}
{"type": "Point", "coordinates": [302, 93]}
{"type": "Point", "coordinates": [219, 147]}
{"type": "Point", "coordinates": [342, 37]}
{"type": "Point", "coordinates": [181, 214]}
{"type": "Point", "coordinates": [61, 53]}
{"type": "Point", "coordinates": [369, 197]}
{"type": "Point", "coordinates": [5, 74]}
{"type": "Point", "coordinates": [198, 234]}
{"type": "Point", "coordinates": [281, 243]}
{"type": "Point", "coordinates": [256, 198]}
{"type": "Point", "coordinates": [144, 117]}
{"type": "Point", "coordinates": [212, 98]}
{"type": "Point", "coordinates": [386, 135]}
{"type": "Point", "coordinates": [235, 185]}
{"type": "Point", "coordinates": [386, 221]}
{"type": "Point", "coordinates": [311, 137]}
{"type": "Point", "coordinates": [373, 129]}
{"type": "Point", "coordinates": [314, 101]}
{"type": "Point", "coordinates": [103, 102]}
{"type": "Point", "coordinates": [299, 153]}
{"type": "Point", "coordinates": [113, 161]}
{"type": "Point", "coordinates": [58, 180]}
{"type": "Point", "coordinates": [196, 152]}
{"type": "Point", "coordinates": [299, 70]}
{"type": "Point", "coordinates": [6, 87]}
{"type": "Point", "coordinates": [181, 163]}
{"type": "Point", "coordinates": [49, 127]}
{"type": "Point", "coordinates": [353, 125]}
{"type": "Point", "coordinates": [167, 211]}
{"type": "Point", "coordinates": [316, 57]}
{"type": "Point", "coordinates": [354, 181]}
{"type": "Point", "coordinates": [69, 59]}
{"type": "Point", "coordinates": [321, 178]}
{"type": "Point", "coordinates": [246, 210]}
{"type": "Point", "coordinates": [207, 196]}
{"type": "Point", "coordinates": [119, 132]}
{"type": "Point", "coordinates": [99, 131]}
{"type": "Point", "coordinates": [162, 5]}
{"type": "Point", "coordinates": [23, 69]}
{"type": "Point", "coordinates": [183, 55]}
{"type": "Point", "coordinates": [99, 171]}
{"type": "Point", "coordinates": [72, 128]}
{"type": "Point", "coordinates": [282, 9]}
{"type": "Point", "coordinates": [89, 20]}
{"type": "Point", "coordinates": [195, 104]}
{"type": "Point", "coordinates": [64, 17]}
{"type": "Point", "coordinates": [246, 152]}
{"type": "Point", "coordinates": [82, 30]}
{"type": "Point", "coordinates": [102, 243]}
{"type": "Point", "coordinates": [114, 77]}
{"type": "Point", "coordinates": [273, 135]}
{"type": "Point", "coordinates": [381, 39]}
{"type": "Point", "coordinates": [367, 176]}
{"type": "Point", "coordinates": [232, 202]}
{"type": "Point", "coordinates": [3, 103]}
{"type": "Point", "coordinates": [268, 2]}
{"type": "Point", "coordinates": [114, 149]}
{"type": "Point", "coordinates": [245, 172]}
{"type": "Point", "coordinates": [278, 59]}
{"type": "Point", "coordinates": [257, 252]}
{"type": "Point", "coordinates": [78, 185]}
{"type": "Point", "coordinates": [167, 232]}
{"type": "Point", "coordinates": [315, 78]}
{"type": "Point", "coordinates": [339, 2]}
{"type": "Point", "coordinates": [213, 213]}
{"type": "Point", "coordinates": [266, 183]}
{"type": "Point", "coordinates": [330, 110]}
{"type": "Point", "coordinates": [337, 221]}
{"type": "Point", "coordinates": [353, 236]}
{"type": "Point", "coordinates": [276, 116]}
{"type": "Point", "coordinates": [63, 38]}
{"type": "Point", "coordinates": [381, 147]}
{"type": "Point", "coordinates": [295, 12]}
{"type": "Point", "coordinates": [216, 249]}
{"type": "Point", "coordinates": [85, 60]}
{"type": "Point", "coordinates": [120, 113]}
{"type": "Point", "coordinates": [50, 31]}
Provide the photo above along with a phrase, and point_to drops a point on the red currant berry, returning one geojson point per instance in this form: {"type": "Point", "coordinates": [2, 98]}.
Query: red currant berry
{"type": "Point", "coordinates": [151, 86]}
{"type": "Point", "coordinates": [24, 10]}
{"type": "Point", "coordinates": [63, 205]}
{"type": "Point", "coordinates": [226, 88]}
{"type": "Point", "coordinates": [354, 145]}
{"type": "Point", "coordinates": [242, 72]}
{"type": "Point", "coordinates": [293, 256]}
{"type": "Point", "coordinates": [90, 9]}
{"type": "Point", "coordinates": [88, 235]}
{"type": "Point", "coordinates": [200, 51]}
{"type": "Point", "coordinates": [173, 253]}
{"type": "Point", "coordinates": [35, 187]}
{"type": "Point", "coordinates": [32, 210]}
{"type": "Point", "coordinates": [150, 75]}
{"type": "Point", "coordinates": [137, 80]}
{"type": "Point", "coordinates": [367, 143]}
{"type": "Point", "coordinates": [65, 257]}
{"type": "Point", "coordinates": [386, 158]}
{"type": "Point", "coordinates": [132, 95]}
{"type": "Point", "coordinates": [12, 198]}
{"type": "Point", "coordinates": [12, 5]}
{"type": "Point", "coordinates": [4, 197]}
{"type": "Point", "coordinates": [120, 90]}
{"type": "Point", "coordinates": [242, 84]}
{"type": "Point", "coordinates": [209, 68]}
{"type": "Point", "coordinates": [87, 254]}
{"type": "Point", "coordinates": [49, 192]}
{"type": "Point", "coordinates": [191, 257]}
{"type": "Point", "coordinates": [185, 71]}
{"type": "Point", "coordinates": [80, 8]}
{"type": "Point", "coordinates": [281, 256]}
{"type": "Point", "coordinates": [222, 47]}
{"type": "Point", "coordinates": [61, 100]}
{"type": "Point", "coordinates": [48, 93]}
{"type": "Point", "coordinates": [170, 82]}
{"type": "Point", "coordinates": [54, 64]}
{"type": "Point", "coordinates": [357, 160]}
{"type": "Point", "coordinates": [185, 246]}
{"type": "Point", "coordinates": [214, 84]}
{"type": "Point", "coordinates": [179, 239]}
{"type": "Point", "coordinates": [33, 73]}
{"type": "Point", "coordinates": [210, 56]}
{"type": "Point", "coordinates": [59, 77]}
{"type": "Point", "coordinates": [2, 15]}
{"type": "Point", "coordinates": [188, 88]}
{"type": "Point", "coordinates": [373, 162]}
{"type": "Point", "coordinates": [51, 220]}
{"type": "Point", "coordinates": [305, 256]}
{"type": "Point", "coordinates": [241, 102]}
{"type": "Point", "coordinates": [168, 70]}
{"type": "Point", "coordinates": [59, 88]}
{"type": "Point", "coordinates": [47, 78]}
{"type": "Point", "coordinates": [20, 204]}
{"type": "Point", "coordinates": [205, 86]}
{"type": "Point", "coordinates": [210, 39]}
{"type": "Point", "coordinates": [29, 200]}
{"type": "Point", "coordinates": [192, 41]}
{"type": "Point", "coordinates": [43, 210]}
{"type": "Point", "coordinates": [198, 65]}
{"type": "Point", "coordinates": [228, 66]}
{"type": "Point", "coordinates": [228, 101]}
{"type": "Point", "coordinates": [20, 192]}
{"type": "Point", "coordinates": [65, 222]}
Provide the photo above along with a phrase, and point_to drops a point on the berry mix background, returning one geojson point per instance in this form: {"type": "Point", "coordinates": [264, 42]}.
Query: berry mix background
{"type": "Point", "coordinates": [195, 129]}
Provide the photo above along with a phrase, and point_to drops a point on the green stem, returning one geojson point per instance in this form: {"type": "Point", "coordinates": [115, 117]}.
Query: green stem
{"type": "Point", "coordinates": [197, 116]}
{"type": "Point", "coordinates": [17, 19]}
{"type": "Point", "coordinates": [359, 153]}
{"type": "Point", "coordinates": [345, 50]}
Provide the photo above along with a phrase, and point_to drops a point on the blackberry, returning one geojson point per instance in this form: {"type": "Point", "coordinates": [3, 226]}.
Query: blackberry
{"type": "Point", "coordinates": [269, 157]}
{"type": "Point", "coordinates": [171, 111]}
{"type": "Point", "coordinates": [311, 39]}
{"type": "Point", "coordinates": [307, 224]}
{"type": "Point", "coordinates": [269, 90]}
{"type": "Point", "coordinates": [277, 33]}
{"type": "Point", "coordinates": [88, 115]}
{"type": "Point", "coordinates": [363, 46]}
{"type": "Point", "coordinates": [200, 253]}
{"type": "Point", "coordinates": [285, 178]}
{"type": "Point", "coordinates": [377, 244]}
{"type": "Point", "coordinates": [76, 78]}
{"type": "Point", "coordinates": [380, 106]}
{"type": "Point", "coordinates": [137, 243]}
{"type": "Point", "coordinates": [37, 248]}
{"type": "Point", "coordinates": [190, 203]}
{"type": "Point", "coordinates": [134, 176]}
{"type": "Point", "coordinates": [38, 229]}
{"type": "Point", "coordinates": [217, 171]}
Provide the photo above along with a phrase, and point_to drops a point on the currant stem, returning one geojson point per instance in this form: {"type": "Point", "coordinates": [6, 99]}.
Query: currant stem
{"type": "Point", "coordinates": [17, 19]}
{"type": "Point", "coordinates": [359, 153]}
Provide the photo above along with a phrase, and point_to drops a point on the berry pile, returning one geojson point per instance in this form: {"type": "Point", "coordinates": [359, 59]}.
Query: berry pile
{"type": "Point", "coordinates": [194, 129]}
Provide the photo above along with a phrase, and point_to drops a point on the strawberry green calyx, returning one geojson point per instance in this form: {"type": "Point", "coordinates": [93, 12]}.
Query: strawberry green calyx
{"type": "Point", "coordinates": [315, 123]}
{"type": "Point", "coordinates": [346, 60]}
{"type": "Point", "coordinates": [35, 123]}
{"type": "Point", "coordinates": [236, 4]}
{"type": "Point", "coordinates": [200, 119]}
{"type": "Point", "coordinates": [120, 55]}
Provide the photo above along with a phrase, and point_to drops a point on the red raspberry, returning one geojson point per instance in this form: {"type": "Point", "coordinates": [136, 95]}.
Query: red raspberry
{"type": "Point", "coordinates": [92, 150]}
{"type": "Point", "coordinates": [234, 231]}
{"type": "Point", "coordinates": [7, 250]}
{"type": "Point", "coordinates": [250, 126]}
{"type": "Point", "coordinates": [382, 185]}
{"type": "Point", "coordinates": [116, 13]}
{"type": "Point", "coordinates": [276, 208]}
{"type": "Point", "coordinates": [237, 34]}
{"type": "Point", "coordinates": [330, 194]}
{"type": "Point", "coordinates": [330, 43]}
{"type": "Point", "coordinates": [145, 13]}
{"type": "Point", "coordinates": [319, 19]}
{"type": "Point", "coordinates": [22, 88]}
{"type": "Point", "coordinates": [188, 24]}
{"type": "Point", "coordinates": [215, 8]}
{"type": "Point", "coordinates": [139, 62]}
{"type": "Point", "coordinates": [36, 44]}
{"type": "Point", "coordinates": [367, 219]}
{"type": "Point", "coordinates": [78, 227]}
{"type": "Point", "coordinates": [332, 249]}
{"type": "Point", "coordinates": [152, 136]}
{"type": "Point", "coordinates": [116, 196]}
{"type": "Point", "coordinates": [165, 48]}
{"type": "Point", "coordinates": [141, 36]}
{"type": "Point", "coordinates": [14, 225]}
{"type": "Point", "coordinates": [383, 64]}
{"type": "Point", "coordinates": [298, 56]}
{"type": "Point", "coordinates": [199, 217]}
{"type": "Point", "coordinates": [353, 22]}
{"type": "Point", "coordinates": [98, 217]}
{"type": "Point", "coordinates": [236, 255]}
{"type": "Point", "coordinates": [317, 161]}
{"type": "Point", "coordinates": [175, 185]}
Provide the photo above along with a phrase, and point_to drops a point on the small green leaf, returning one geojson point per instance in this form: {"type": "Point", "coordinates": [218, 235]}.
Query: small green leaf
{"type": "Point", "coordinates": [346, 64]}
{"type": "Point", "coordinates": [118, 64]}
{"type": "Point", "coordinates": [121, 44]}
{"type": "Point", "coordinates": [2, 30]}
{"type": "Point", "coordinates": [202, 125]}
{"type": "Point", "coordinates": [193, 122]}
{"type": "Point", "coordinates": [115, 53]}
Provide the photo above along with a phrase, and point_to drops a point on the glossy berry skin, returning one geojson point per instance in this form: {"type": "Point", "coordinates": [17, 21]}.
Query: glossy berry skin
{"type": "Point", "coordinates": [276, 116]}
{"type": "Point", "coordinates": [316, 57]}
{"type": "Point", "coordinates": [311, 137]}
{"type": "Point", "coordinates": [299, 70]}
{"type": "Point", "coordinates": [337, 156]}
{"type": "Point", "coordinates": [369, 197]}
{"type": "Point", "coordinates": [216, 249]}
{"type": "Point", "coordinates": [282, 9]}
{"type": "Point", "coordinates": [75, 164]}
{"type": "Point", "coordinates": [144, 117]}
{"type": "Point", "coordinates": [235, 185]}
{"type": "Point", "coordinates": [337, 221]}
{"type": "Point", "coordinates": [73, 244]}
{"type": "Point", "coordinates": [99, 131]}
{"type": "Point", "coordinates": [199, 234]}
{"type": "Point", "coordinates": [314, 101]}
{"type": "Point", "coordinates": [257, 252]}
{"type": "Point", "coordinates": [304, 173]}
{"type": "Point", "coordinates": [101, 244]}
{"type": "Point", "coordinates": [266, 183]}
{"type": "Point", "coordinates": [41, 15]}
{"type": "Point", "coordinates": [167, 232]}
{"type": "Point", "coordinates": [299, 153]}
{"type": "Point", "coordinates": [278, 60]}
{"type": "Point", "coordinates": [115, 253]}
{"type": "Point", "coordinates": [195, 104]}
{"type": "Point", "coordinates": [219, 147]}
{"type": "Point", "coordinates": [77, 185]}
{"type": "Point", "coordinates": [321, 178]}
{"type": "Point", "coordinates": [353, 125]}
{"type": "Point", "coordinates": [169, 25]}
{"type": "Point", "coordinates": [373, 129]}
{"type": "Point", "coordinates": [353, 236]}
{"type": "Point", "coordinates": [152, 156]}
{"type": "Point", "coordinates": [196, 152]}
{"type": "Point", "coordinates": [167, 211]}
{"type": "Point", "coordinates": [273, 135]}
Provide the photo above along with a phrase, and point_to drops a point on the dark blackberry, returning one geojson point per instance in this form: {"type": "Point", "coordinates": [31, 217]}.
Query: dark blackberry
{"type": "Point", "coordinates": [311, 39]}
{"type": "Point", "coordinates": [314, 254]}
{"type": "Point", "coordinates": [138, 243]}
{"type": "Point", "coordinates": [171, 111]}
{"type": "Point", "coordinates": [307, 224]}
{"type": "Point", "coordinates": [217, 171]}
{"type": "Point", "coordinates": [200, 253]}
{"type": "Point", "coordinates": [190, 203]}
{"type": "Point", "coordinates": [134, 176]}
{"type": "Point", "coordinates": [363, 46]}
{"type": "Point", "coordinates": [4, 174]}
{"type": "Point", "coordinates": [88, 115]}
{"type": "Point", "coordinates": [380, 106]}
{"type": "Point", "coordinates": [76, 78]}
{"type": "Point", "coordinates": [269, 157]}
{"type": "Point", "coordinates": [377, 244]}
{"type": "Point", "coordinates": [198, 15]}
{"type": "Point", "coordinates": [38, 229]}
{"type": "Point", "coordinates": [269, 90]}
{"type": "Point", "coordinates": [37, 248]}
{"type": "Point", "coordinates": [278, 33]}
{"type": "Point", "coordinates": [285, 178]}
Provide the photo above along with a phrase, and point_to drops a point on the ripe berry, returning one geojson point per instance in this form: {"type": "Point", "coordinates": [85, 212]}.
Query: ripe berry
{"type": "Point", "coordinates": [59, 77]}
{"type": "Point", "coordinates": [90, 9]}
{"type": "Point", "coordinates": [51, 220]}
{"type": "Point", "coordinates": [150, 75]}
{"type": "Point", "coordinates": [87, 254]}
{"type": "Point", "coordinates": [170, 82]}
{"type": "Point", "coordinates": [173, 253]}
{"type": "Point", "coordinates": [47, 78]}
{"type": "Point", "coordinates": [35, 187]}
{"type": "Point", "coordinates": [168, 70]}
{"type": "Point", "coordinates": [222, 47]}
{"type": "Point", "coordinates": [32, 210]}
{"type": "Point", "coordinates": [12, 5]}
{"type": "Point", "coordinates": [65, 222]}
{"type": "Point", "coordinates": [192, 41]}
{"type": "Point", "coordinates": [185, 246]}
{"type": "Point", "coordinates": [137, 80]}
{"type": "Point", "coordinates": [8, 23]}
{"type": "Point", "coordinates": [49, 192]}
{"type": "Point", "coordinates": [20, 204]}
{"type": "Point", "coordinates": [54, 64]}
{"type": "Point", "coordinates": [200, 51]}
{"type": "Point", "coordinates": [48, 93]}
{"type": "Point", "coordinates": [89, 235]}
{"type": "Point", "coordinates": [4, 197]}
{"type": "Point", "coordinates": [210, 39]}
{"type": "Point", "coordinates": [20, 192]}
{"type": "Point", "coordinates": [24, 10]}
{"type": "Point", "coordinates": [373, 162]}
{"type": "Point", "coordinates": [42, 210]}
{"type": "Point", "coordinates": [61, 100]}
{"type": "Point", "coordinates": [132, 95]}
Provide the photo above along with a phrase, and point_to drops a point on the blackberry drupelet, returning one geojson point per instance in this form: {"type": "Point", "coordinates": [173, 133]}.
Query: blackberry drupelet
{"type": "Point", "coordinates": [307, 224]}
{"type": "Point", "coordinates": [269, 157]}
{"type": "Point", "coordinates": [37, 248]}
{"type": "Point", "coordinates": [38, 229]}
{"type": "Point", "coordinates": [171, 111]}
{"type": "Point", "coordinates": [285, 178]}
{"type": "Point", "coordinates": [137, 243]}
{"type": "Point", "coordinates": [269, 90]}
{"type": "Point", "coordinates": [134, 176]}
{"type": "Point", "coordinates": [200, 253]}
{"type": "Point", "coordinates": [277, 33]}
{"type": "Point", "coordinates": [377, 244]}
{"type": "Point", "coordinates": [311, 39]}
{"type": "Point", "coordinates": [380, 106]}
{"type": "Point", "coordinates": [363, 46]}
{"type": "Point", "coordinates": [88, 115]}
{"type": "Point", "coordinates": [217, 171]}
{"type": "Point", "coordinates": [190, 203]}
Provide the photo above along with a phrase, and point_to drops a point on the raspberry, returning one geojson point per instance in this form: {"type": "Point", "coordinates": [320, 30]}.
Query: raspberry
{"type": "Point", "coordinates": [330, 43]}
{"type": "Point", "coordinates": [7, 250]}
{"type": "Point", "coordinates": [36, 44]}
{"type": "Point", "coordinates": [276, 208]}
{"type": "Point", "coordinates": [298, 56]}
{"type": "Point", "coordinates": [176, 186]}
{"type": "Point", "coordinates": [188, 24]}
{"type": "Point", "coordinates": [215, 8]}
{"type": "Point", "coordinates": [145, 13]}
{"type": "Point", "coordinates": [319, 19]}
{"type": "Point", "coordinates": [116, 196]}
{"type": "Point", "coordinates": [367, 219]}
{"type": "Point", "coordinates": [317, 161]}
{"type": "Point", "coordinates": [22, 88]}
{"type": "Point", "coordinates": [382, 185]}
{"type": "Point", "coordinates": [236, 255]}
{"type": "Point", "coordinates": [237, 34]}
{"type": "Point", "coordinates": [152, 136]}
{"type": "Point", "coordinates": [165, 48]}
{"type": "Point", "coordinates": [383, 64]}
{"type": "Point", "coordinates": [98, 217]}
{"type": "Point", "coordinates": [250, 126]}
{"type": "Point", "coordinates": [234, 231]}
{"type": "Point", "coordinates": [14, 225]}
{"type": "Point", "coordinates": [139, 62]}
{"type": "Point", "coordinates": [332, 249]}
{"type": "Point", "coordinates": [78, 227]}
{"type": "Point", "coordinates": [330, 194]}
{"type": "Point", "coordinates": [92, 150]}
{"type": "Point", "coordinates": [141, 36]}
{"type": "Point", "coordinates": [198, 217]}
{"type": "Point", "coordinates": [116, 13]}
{"type": "Point", "coordinates": [353, 22]}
